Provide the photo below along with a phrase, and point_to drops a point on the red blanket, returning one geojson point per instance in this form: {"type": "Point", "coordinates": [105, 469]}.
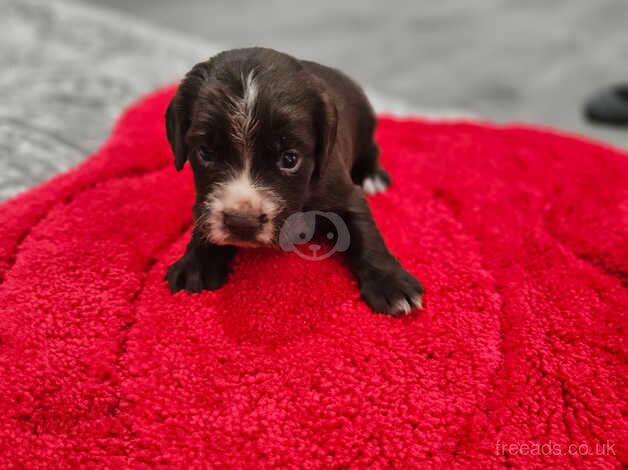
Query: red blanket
{"type": "Point", "coordinates": [518, 359]}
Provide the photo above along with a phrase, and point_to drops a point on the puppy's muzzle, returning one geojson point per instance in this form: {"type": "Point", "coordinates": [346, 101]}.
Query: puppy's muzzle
{"type": "Point", "coordinates": [239, 212]}
{"type": "Point", "coordinates": [242, 225]}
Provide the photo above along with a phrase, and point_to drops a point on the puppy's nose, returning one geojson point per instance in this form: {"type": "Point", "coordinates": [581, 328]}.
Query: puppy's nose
{"type": "Point", "coordinates": [243, 225]}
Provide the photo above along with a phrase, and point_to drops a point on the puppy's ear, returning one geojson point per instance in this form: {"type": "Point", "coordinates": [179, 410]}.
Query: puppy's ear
{"type": "Point", "coordinates": [327, 124]}
{"type": "Point", "coordinates": [179, 109]}
{"type": "Point", "coordinates": [176, 128]}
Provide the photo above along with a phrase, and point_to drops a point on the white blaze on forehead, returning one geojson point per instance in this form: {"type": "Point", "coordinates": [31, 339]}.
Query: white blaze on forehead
{"type": "Point", "coordinates": [250, 92]}
{"type": "Point", "coordinates": [241, 113]}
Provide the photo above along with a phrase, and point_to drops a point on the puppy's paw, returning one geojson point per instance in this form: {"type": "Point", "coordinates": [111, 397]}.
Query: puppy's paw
{"type": "Point", "coordinates": [396, 293]}
{"type": "Point", "coordinates": [378, 182]}
{"type": "Point", "coordinates": [192, 275]}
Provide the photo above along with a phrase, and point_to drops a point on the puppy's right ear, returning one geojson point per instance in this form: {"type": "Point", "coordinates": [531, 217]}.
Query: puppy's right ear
{"type": "Point", "coordinates": [178, 112]}
{"type": "Point", "coordinates": [176, 127]}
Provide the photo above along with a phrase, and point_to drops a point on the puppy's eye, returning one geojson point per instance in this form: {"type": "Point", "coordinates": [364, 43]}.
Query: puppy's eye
{"type": "Point", "coordinates": [289, 161]}
{"type": "Point", "coordinates": [205, 155]}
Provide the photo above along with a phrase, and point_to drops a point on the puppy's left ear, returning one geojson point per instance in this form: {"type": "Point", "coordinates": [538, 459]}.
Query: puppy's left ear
{"type": "Point", "coordinates": [176, 129]}
{"type": "Point", "coordinates": [327, 124]}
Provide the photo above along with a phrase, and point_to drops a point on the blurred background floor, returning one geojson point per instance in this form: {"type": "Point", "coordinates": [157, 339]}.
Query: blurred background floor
{"type": "Point", "coordinates": [68, 67]}
{"type": "Point", "coordinates": [505, 60]}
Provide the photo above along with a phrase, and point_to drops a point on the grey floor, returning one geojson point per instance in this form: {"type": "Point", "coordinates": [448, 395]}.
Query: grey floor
{"type": "Point", "coordinates": [505, 60]}
{"type": "Point", "coordinates": [66, 72]}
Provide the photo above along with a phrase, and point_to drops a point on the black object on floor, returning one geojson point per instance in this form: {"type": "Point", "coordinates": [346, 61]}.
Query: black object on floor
{"type": "Point", "coordinates": [609, 106]}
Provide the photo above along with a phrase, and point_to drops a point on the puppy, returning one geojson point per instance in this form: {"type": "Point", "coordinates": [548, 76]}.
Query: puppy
{"type": "Point", "coordinates": [269, 136]}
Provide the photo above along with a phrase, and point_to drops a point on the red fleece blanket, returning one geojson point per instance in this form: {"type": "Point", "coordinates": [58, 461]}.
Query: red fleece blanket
{"type": "Point", "coordinates": [518, 359]}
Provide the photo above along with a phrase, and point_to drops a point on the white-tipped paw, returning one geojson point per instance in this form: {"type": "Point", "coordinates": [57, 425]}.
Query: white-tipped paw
{"type": "Point", "coordinates": [374, 184]}
{"type": "Point", "coordinates": [405, 306]}
{"type": "Point", "coordinates": [396, 293]}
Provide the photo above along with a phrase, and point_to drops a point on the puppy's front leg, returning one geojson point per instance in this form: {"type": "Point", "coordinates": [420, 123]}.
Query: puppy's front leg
{"type": "Point", "coordinates": [204, 266]}
{"type": "Point", "coordinates": [384, 285]}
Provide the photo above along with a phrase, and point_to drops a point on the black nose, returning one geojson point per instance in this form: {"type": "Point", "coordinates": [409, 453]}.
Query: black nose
{"type": "Point", "coordinates": [242, 225]}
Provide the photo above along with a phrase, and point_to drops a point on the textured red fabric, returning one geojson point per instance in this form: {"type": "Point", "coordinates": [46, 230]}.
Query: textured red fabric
{"type": "Point", "coordinates": [518, 235]}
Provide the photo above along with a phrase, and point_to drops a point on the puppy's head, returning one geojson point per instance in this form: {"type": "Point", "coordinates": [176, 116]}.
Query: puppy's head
{"type": "Point", "coordinates": [257, 130]}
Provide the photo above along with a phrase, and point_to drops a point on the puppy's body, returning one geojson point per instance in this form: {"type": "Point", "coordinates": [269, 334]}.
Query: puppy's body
{"type": "Point", "coordinates": [268, 136]}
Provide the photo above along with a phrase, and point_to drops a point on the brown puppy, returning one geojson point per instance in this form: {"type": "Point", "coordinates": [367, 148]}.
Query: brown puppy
{"type": "Point", "coordinates": [269, 137]}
